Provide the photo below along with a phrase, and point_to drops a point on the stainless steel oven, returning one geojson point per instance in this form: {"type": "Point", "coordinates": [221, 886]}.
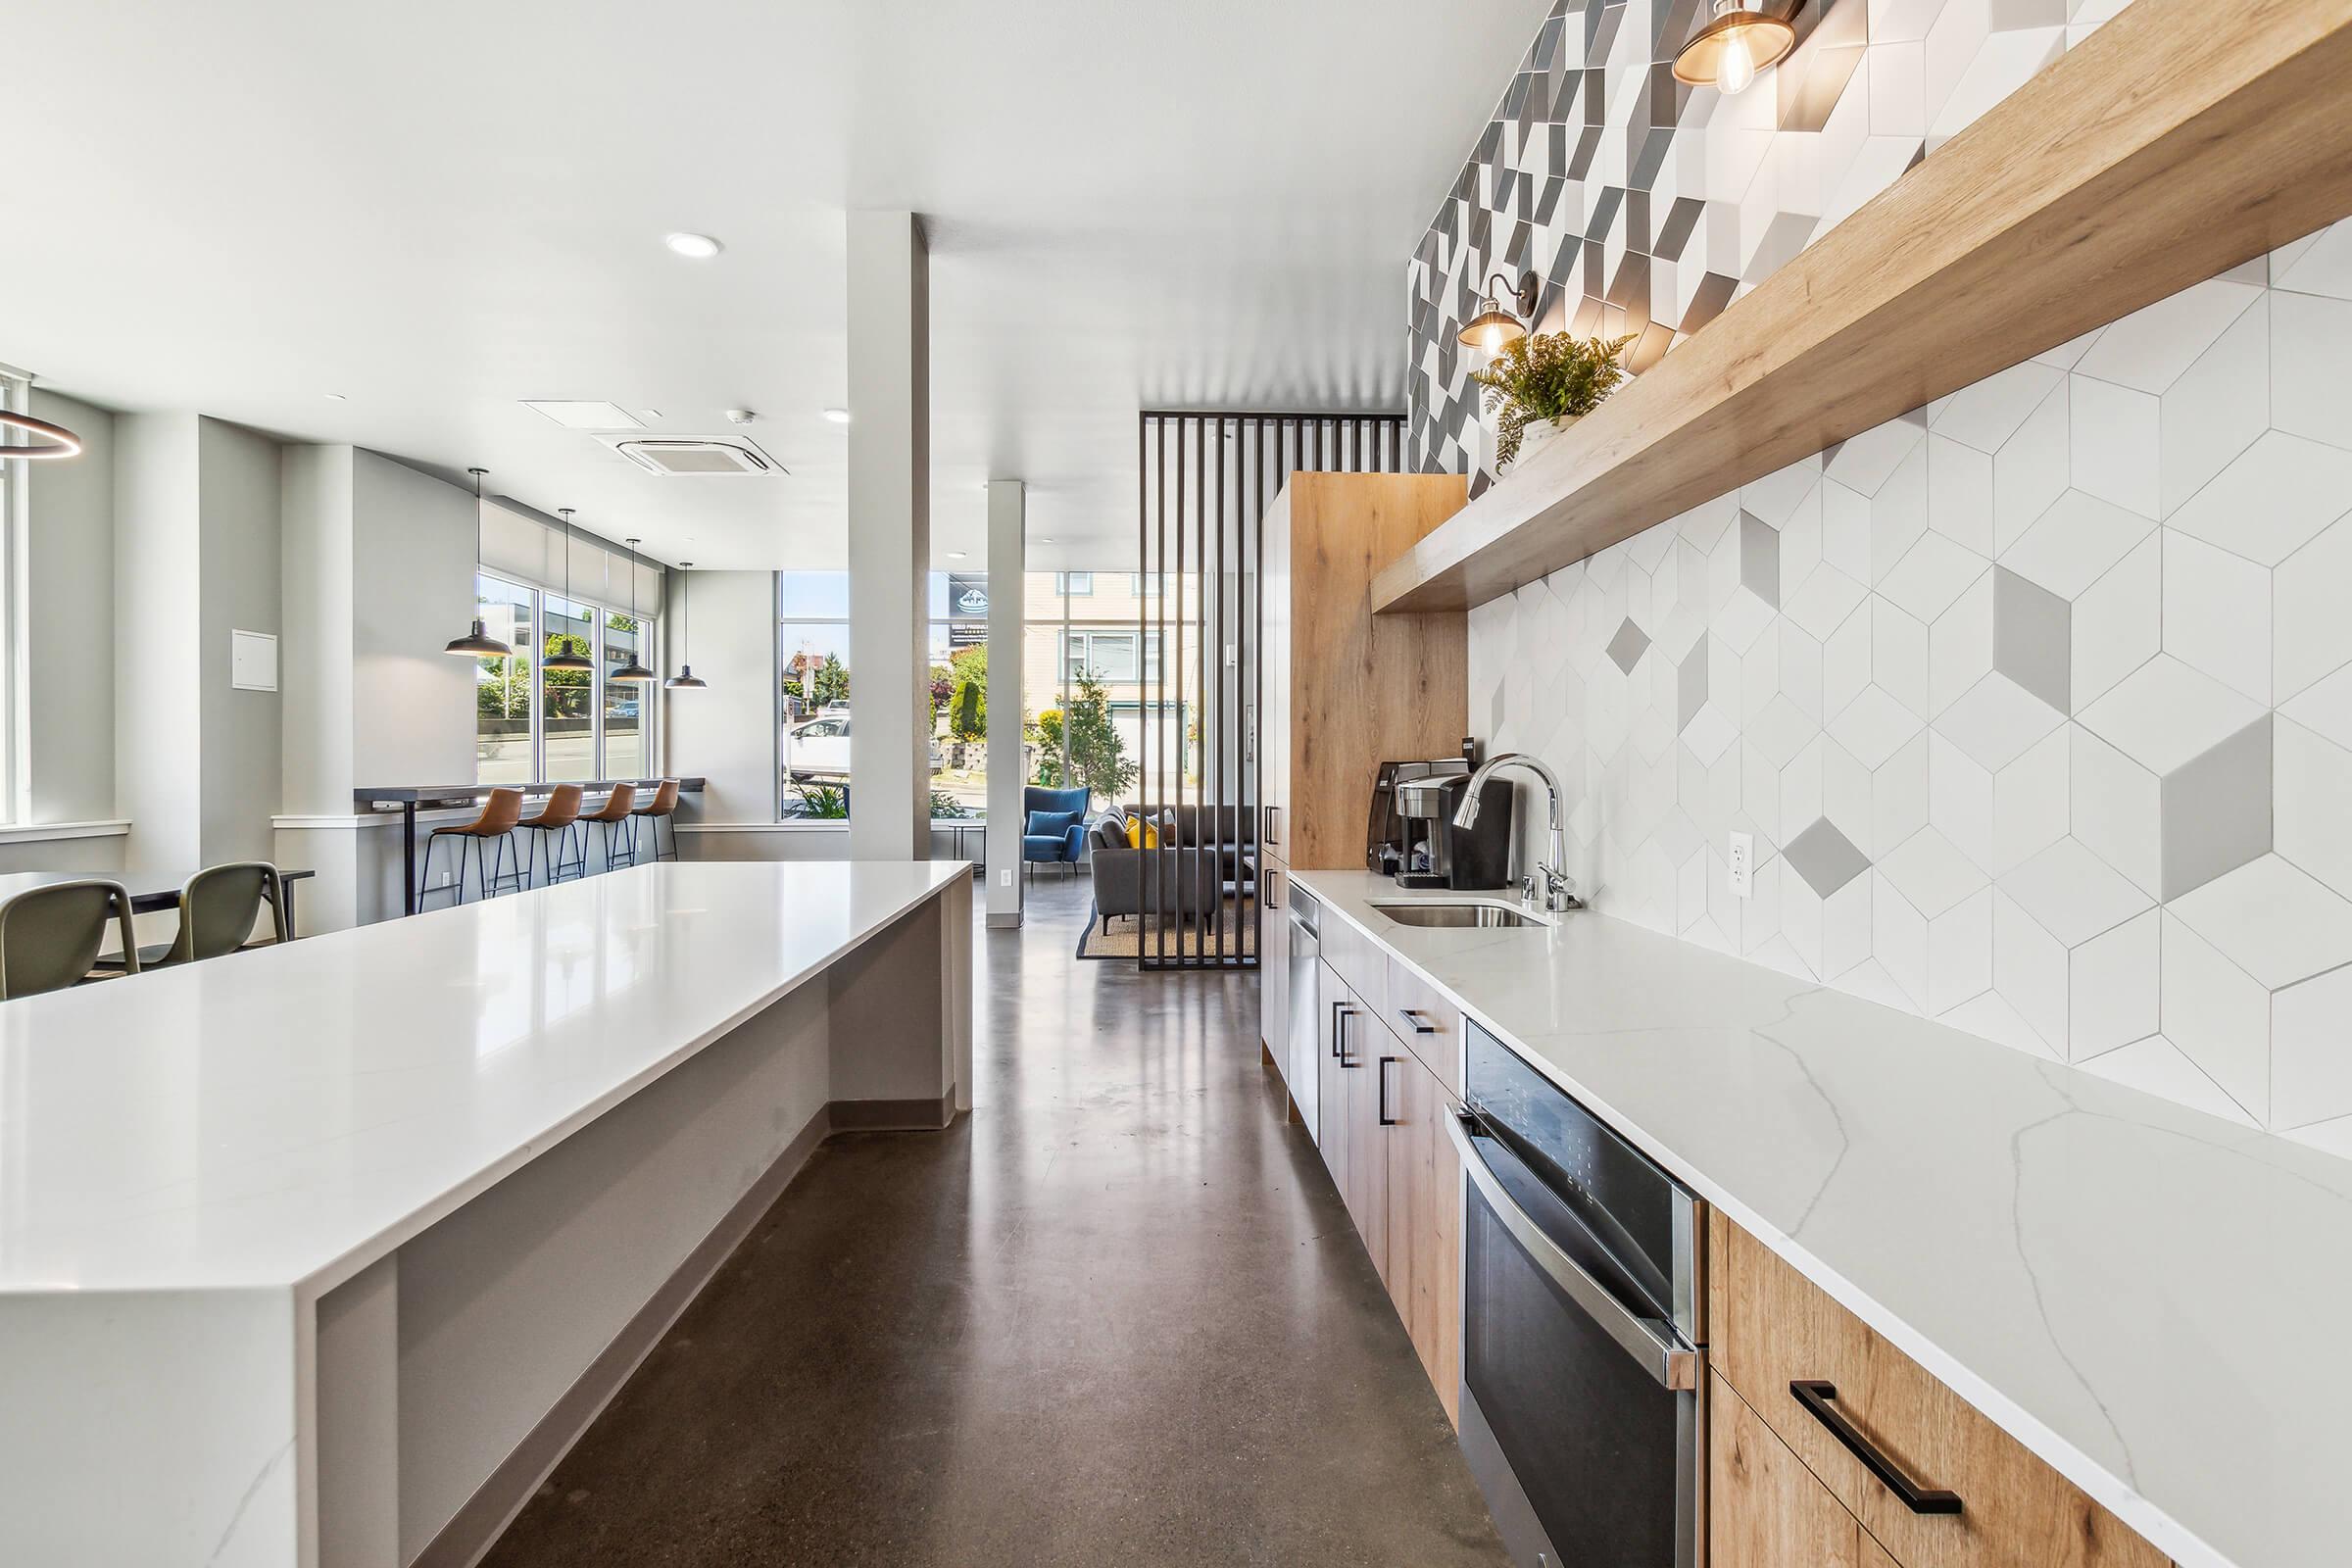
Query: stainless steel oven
{"type": "Point", "coordinates": [1583, 1361]}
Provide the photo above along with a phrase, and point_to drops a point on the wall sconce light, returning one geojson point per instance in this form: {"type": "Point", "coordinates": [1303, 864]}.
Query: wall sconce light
{"type": "Point", "coordinates": [1495, 329]}
{"type": "Point", "coordinates": [1726, 53]}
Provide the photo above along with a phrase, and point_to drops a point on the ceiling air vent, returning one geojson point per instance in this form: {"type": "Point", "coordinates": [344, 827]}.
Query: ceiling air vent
{"type": "Point", "coordinates": [689, 458]}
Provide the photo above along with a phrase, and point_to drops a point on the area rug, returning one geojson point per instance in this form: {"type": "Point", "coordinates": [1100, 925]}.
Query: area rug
{"type": "Point", "coordinates": [1131, 936]}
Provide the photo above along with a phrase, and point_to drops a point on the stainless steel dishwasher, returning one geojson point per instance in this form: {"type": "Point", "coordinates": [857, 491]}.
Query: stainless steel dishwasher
{"type": "Point", "coordinates": [1306, 1006]}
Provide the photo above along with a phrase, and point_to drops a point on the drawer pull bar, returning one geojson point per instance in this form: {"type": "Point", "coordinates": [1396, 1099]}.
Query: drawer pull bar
{"type": "Point", "coordinates": [1421, 1025]}
{"type": "Point", "coordinates": [1380, 1077]}
{"type": "Point", "coordinates": [1815, 1394]}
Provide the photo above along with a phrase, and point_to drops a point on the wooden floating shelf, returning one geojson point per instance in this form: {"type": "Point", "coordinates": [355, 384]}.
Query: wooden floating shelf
{"type": "Point", "coordinates": [2175, 143]}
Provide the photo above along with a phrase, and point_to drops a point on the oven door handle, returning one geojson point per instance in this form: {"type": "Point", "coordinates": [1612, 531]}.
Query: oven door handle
{"type": "Point", "coordinates": [1648, 1340]}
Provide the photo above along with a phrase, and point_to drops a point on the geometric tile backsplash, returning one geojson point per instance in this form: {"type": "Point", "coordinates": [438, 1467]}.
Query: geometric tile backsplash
{"type": "Point", "coordinates": [1645, 207]}
{"type": "Point", "coordinates": [2037, 701]}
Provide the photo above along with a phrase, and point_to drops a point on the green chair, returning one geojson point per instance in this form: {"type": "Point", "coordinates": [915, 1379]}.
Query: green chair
{"type": "Point", "coordinates": [50, 936]}
{"type": "Point", "coordinates": [216, 910]}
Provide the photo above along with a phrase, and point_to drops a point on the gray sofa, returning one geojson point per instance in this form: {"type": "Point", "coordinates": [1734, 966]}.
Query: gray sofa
{"type": "Point", "coordinates": [1188, 875]}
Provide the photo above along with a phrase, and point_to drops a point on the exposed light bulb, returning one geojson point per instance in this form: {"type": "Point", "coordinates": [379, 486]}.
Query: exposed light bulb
{"type": "Point", "coordinates": [1492, 339]}
{"type": "Point", "coordinates": [1737, 68]}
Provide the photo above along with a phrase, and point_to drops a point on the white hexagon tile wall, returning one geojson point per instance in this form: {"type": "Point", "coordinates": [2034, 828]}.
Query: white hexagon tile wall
{"type": "Point", "coordinates": [2038, 700]}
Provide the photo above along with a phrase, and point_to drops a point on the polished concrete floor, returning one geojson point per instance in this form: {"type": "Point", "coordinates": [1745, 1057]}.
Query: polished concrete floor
{"type": "Point", "coordinates": [1117, 1315]}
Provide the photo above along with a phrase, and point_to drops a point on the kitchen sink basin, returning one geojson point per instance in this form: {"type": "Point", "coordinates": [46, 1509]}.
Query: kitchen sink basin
{"type": "Point", "coordinates": [1463, 914]}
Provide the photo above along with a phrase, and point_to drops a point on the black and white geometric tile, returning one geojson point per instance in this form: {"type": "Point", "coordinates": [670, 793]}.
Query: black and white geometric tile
{"type": "Point", "coordinates": [1647, 207]}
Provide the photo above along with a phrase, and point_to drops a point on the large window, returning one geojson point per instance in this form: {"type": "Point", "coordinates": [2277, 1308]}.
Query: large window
{"type": "Point", "coordinates": [1099, 713]}
{"type": "Point", "coordinates": [536, 723]}
{"type": "Point", "coordinates": [958, 695]}
{"type": "Point", "coordinates": [812, 709]}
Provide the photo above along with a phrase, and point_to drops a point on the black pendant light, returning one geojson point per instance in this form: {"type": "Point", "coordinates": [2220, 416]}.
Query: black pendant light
{"type": "Point", "coordinates": [579, 662]}
{"type": "Point", "coordinates": [634, 670]}
{"type": "Point", "coordinates": [478, 643]}
{"type": "Point", "coordinates": [685, 680]}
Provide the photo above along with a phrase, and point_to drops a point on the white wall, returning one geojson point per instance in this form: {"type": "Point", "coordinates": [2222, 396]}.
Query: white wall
{"type": "Point", "coordinates": [314, 657]}
{"type": "Point", "coordinates": [157, 709]}
{"type": "Point", "coordinates": [728, 733]}
{"type": "Point", "coordinates": [237, 589]}
{"type": "Point", "coordinates": [70, 605]}
{"type": "Point", "coordinates": [411, 591]}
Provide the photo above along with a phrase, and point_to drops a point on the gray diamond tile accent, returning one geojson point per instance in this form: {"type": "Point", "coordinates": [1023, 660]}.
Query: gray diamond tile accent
{"type": "Point", "coordinates": [2216, 810]}
{"type": "Point", "coordinates": [1761, 558]}
{"type": "Point", "coordinates": [1824, 858]}
{"type": "Point", "coordinates": [1691, 685]}
{"type": "Point", "coordinates": [1628, 646]}
{"type": "Point", "coordinates": [2034, 638]}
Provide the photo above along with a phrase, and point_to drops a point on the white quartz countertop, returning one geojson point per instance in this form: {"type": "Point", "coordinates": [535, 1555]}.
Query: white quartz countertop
{"type": "Point", "coordinates": [2151, 1298]}
{"type": "Point", "coordinates": [282, 1117]}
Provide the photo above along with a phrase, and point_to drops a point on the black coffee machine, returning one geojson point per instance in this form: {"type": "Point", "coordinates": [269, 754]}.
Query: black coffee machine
{"type": "Point", "coordinates": [1443, 856]}
{"type": "Point", "coordinates": [1413, 838]}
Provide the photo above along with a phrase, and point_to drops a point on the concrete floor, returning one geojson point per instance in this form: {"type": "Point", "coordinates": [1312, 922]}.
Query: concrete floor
{"type": "Point", "coordinates": [1117, 1315]}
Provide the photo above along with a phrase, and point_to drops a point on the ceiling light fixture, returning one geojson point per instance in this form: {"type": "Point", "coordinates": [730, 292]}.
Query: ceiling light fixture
{"type": "Point", "coordinates": [477, 643]}
{"type": "Point", "coordinates": [49, 440]}
{"type": "Point", "coordinates": [694, 247]}
{"type": "Point", "coordinates": [685, 680]}
{"type": "Point", "coordinates": [957, 554]}
{"type": "Point", "coordinates": [334, 397]}
{"type": "Point", "coordinates": [580, 662]}
{"type": "Point", "coordinates": [1726, 53]}
{"type": "Point", "coordinates": [838, 416]}
{"type": "Point", "coordinates": [1495, 328]}
{"type": "Point", "coordinates": [634, 670]}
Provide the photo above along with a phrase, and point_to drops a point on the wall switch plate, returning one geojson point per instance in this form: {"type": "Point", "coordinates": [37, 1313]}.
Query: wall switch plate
{"type": "Point", "coordinates": [1004, 878]}
{"type": "Point", "coordinates": [1740, 862]}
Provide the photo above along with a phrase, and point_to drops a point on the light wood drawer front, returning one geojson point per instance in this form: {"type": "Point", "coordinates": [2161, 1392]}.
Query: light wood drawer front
{"type": "Point", "coordinates": [1427, 1023]}
{"type": "Point", "coordinates": [1764, 1508]}
{"type": "Point", "coordinates": [1358, 961]}
{"type": "Point", "coordinates": [1769, 1326]}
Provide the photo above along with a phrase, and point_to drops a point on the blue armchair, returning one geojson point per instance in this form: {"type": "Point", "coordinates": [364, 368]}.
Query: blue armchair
{"type": "Point", "coordinates": [1053, 826]}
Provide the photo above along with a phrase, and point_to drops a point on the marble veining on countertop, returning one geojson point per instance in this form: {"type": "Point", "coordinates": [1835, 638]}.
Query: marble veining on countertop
{"type": "Point", "coordinates": [274, 1118]}
{"type": "Point", "coordinates": [2149, 1298]}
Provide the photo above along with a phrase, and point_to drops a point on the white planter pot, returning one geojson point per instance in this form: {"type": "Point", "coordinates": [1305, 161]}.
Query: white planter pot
{"type": "Point", "coordinates": [1539, 433]}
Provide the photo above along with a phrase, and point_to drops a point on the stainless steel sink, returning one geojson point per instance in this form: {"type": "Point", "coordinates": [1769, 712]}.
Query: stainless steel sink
{"type": "Point", "coordinates": [1458, 914]}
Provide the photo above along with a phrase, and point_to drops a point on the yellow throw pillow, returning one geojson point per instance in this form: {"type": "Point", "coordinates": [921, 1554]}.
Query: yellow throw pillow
{"type": "Point", "coordinates": [1141, 835]}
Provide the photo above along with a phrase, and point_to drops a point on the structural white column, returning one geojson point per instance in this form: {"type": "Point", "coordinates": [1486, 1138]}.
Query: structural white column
{"type": "Point", "coordinates": [1008, 531]}
{"type": "Point", "coordinates": [890, 536]}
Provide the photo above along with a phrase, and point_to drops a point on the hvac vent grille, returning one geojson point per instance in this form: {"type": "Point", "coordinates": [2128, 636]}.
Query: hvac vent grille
{"type": "Point", "coordinates": [685, 458]}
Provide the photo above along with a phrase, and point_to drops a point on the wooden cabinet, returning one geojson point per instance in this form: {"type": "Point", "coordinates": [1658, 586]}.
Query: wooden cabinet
{"type": "Point", "coordinates": [1770, 1327]}
{"type": "Point", "coordinates": [1764, 1508]}
{"type": "Point", "coordinates": [1346, 690]}
{"type": "Point", "coordinates": [1367, 1179]}
{"type": "Point", "coordinates": [1429, 1026]}
{"type": "Point", "coordinates": [1331, 1088]}
{"type": "Point", "coordinates": [1274, 972]}
{"type": "Point", "coordinates": [1424, 1218]}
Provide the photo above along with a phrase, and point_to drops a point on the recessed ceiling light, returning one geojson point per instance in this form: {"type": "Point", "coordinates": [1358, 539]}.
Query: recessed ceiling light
{"type": "Point", "coordinates": [334, 397]}
{"type": "Point", "coordinates": [838, 416]}
{"type": "Point", "coordinates": [575, 415]}
{"type": "Point", "coordinates": [957, 554]}
{"type": "Point", "coordinates": [1045, 541]}
{"type": "Point", "coordinates": [697, 247]}
{"type": "Point", "coordinates": [650, 414]}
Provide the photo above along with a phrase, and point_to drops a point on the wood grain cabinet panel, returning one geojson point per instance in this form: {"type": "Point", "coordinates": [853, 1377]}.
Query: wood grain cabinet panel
{"type": "Point", "coordinates": [1428, 1024]}
{"type": "Point", "coordinates": [1764, 1508]}
{"type": "Point", "coordinates": [1424, 1203]}
{"type": "Point", "coordinates": [1771, 1326]}
{"type": "Point", "coordinates": [1362, 1041]}
{"type": "Point", "coordinates": [1330, 1092]}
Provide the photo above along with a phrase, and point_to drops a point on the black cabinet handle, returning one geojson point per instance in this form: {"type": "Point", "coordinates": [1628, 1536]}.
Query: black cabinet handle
{"type": "Point", "coordinates": [1815, 1394]}
{"type": "Point", "coordinates": [1342, 1012]}
{"type": "Point", "coordinates": [1421, 1025]}
{"type": "Point", "coordinates": [1385, 1120]}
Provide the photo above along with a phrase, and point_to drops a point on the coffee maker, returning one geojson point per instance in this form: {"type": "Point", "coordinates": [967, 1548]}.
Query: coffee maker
{"type": "Point", "coordinates": [1389, 837]}
{"type": "Point", "coordinates": [1440, 854]}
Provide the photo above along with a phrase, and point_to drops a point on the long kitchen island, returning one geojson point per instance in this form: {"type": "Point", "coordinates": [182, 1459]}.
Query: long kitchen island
{"type": "Point", "coordinates": [321, 1254]}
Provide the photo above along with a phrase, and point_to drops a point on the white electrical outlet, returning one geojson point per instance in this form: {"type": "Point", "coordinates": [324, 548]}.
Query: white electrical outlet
{"type": "Point", "coordinates": [1739, 862]}
{"type": "Point", "coordinates": [1004, 878]}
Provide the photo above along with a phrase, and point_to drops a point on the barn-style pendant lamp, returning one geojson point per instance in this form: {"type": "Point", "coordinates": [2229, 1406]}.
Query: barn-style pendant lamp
{"type": "Point", "coordinates": [685, 680]}
{"type": "Point", "coordinates": [1726, 53]}
{"type": "Point", "coordinates": [477, 643]}
{"type": "Point", "coordinates": [1495, 328]}
{"type": "Point", "coordinates": [580, 664]}
{"type": "Point", "coordinates": [634, 670]}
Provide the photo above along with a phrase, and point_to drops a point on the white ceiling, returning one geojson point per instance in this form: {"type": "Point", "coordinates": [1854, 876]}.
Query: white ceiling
{"type": "Point", "coordinates": [438, 208]}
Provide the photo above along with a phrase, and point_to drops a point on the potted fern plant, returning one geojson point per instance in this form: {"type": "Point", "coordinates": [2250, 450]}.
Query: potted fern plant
{"type": "Point", "coordinates": [1544, 383]}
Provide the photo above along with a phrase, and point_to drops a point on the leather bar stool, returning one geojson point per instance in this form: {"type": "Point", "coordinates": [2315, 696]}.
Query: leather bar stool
{"type": "Point", "coordinates": [560, 816]}
{"type": "Point", "coordinates": [618, 829]}
{"type": "Point", "coordinates": [483, 840]}
{"type": "Point", "coordinates": [664, 808]}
